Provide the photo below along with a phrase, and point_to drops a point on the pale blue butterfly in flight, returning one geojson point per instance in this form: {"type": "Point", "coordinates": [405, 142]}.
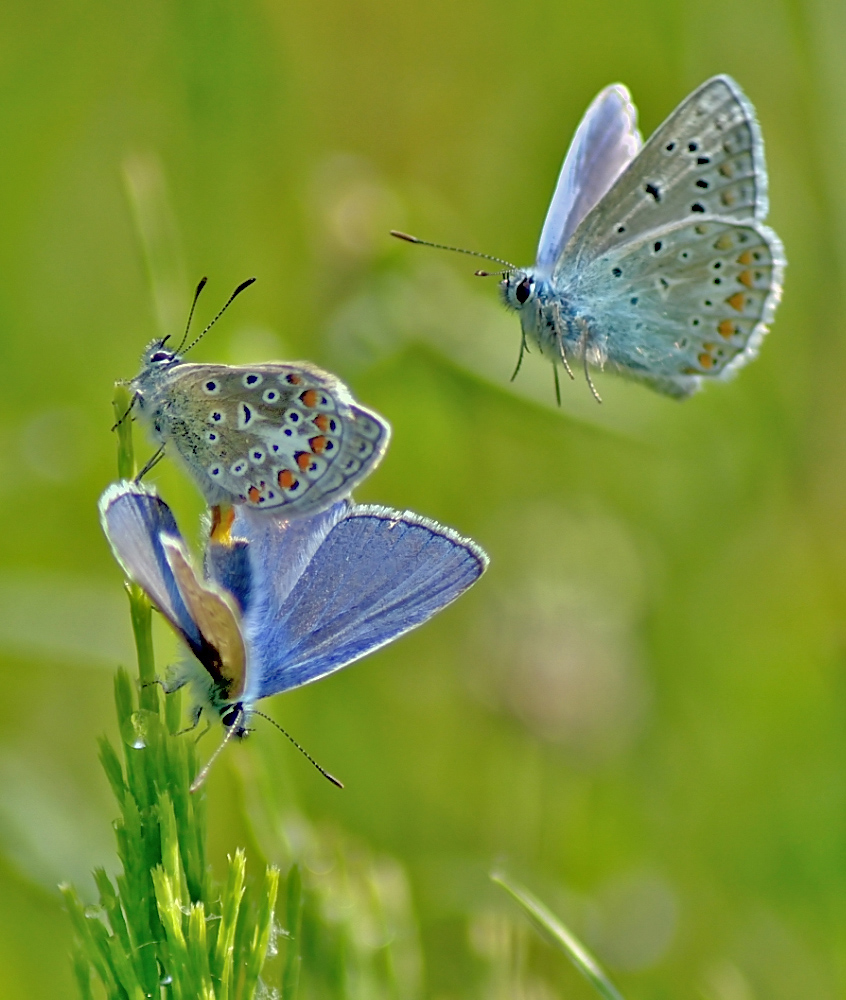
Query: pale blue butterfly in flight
{"type": "Point", "coordinates": [654, 261]}
{"type": "Point", "coordinates": [283, 437]}
{"type": "Point", "coordinates": [282, 603]}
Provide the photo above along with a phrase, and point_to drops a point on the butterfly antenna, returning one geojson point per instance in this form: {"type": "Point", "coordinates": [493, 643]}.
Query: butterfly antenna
{"type": "Point", "coordinates": [226, 305]}
{"type": "Point", "coordinates": [305, 753]}
{"type": "Point", "coordinates": [472, 253]}
{"type": "Point", "coordinates": [204, 773]}
{"type": "Point", "coordinates": [200, 287]}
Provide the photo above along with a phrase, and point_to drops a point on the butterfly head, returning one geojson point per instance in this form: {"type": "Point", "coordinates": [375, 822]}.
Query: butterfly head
{"type": "Point", "coordinates": [155, 361]}
{"type": "Point", "coordinates": [157, 355]}
{"type": "Point", "coordinates": [233, 717]}
{"type": "Point", "coordinates": [518, 289]}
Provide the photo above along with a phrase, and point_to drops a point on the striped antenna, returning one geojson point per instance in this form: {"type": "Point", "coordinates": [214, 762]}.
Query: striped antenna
{"type": "Point", "coordinates": [443, 246]}
{"type": "Point", "coordinates": [226, 305]}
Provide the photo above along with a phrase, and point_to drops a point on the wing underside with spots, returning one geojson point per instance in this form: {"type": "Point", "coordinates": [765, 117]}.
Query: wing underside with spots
{"type": "Point", "coordinates": [287, 437]}
{"type": "Point", "coordinates": [377, 574]}
{"type": "Point", "coordinates": [706, 159]}
{"type": "Point", "coordinates": [685, 301]}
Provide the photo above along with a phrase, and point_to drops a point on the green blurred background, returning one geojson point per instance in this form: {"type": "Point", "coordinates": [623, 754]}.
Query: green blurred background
{"type": "Point", "coordinates": [641, 710]}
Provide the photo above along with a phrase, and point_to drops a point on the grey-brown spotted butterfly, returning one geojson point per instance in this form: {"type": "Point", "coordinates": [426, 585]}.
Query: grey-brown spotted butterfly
{"type": "Point", "coordinates": [285, 437]}
{"type": "Point", "coordinates": [654, 260]}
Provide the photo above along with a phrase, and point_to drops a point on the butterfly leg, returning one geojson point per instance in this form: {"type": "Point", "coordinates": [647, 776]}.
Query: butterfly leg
{"type": "Point", "coordinates": [523, 349]}
{"type": "Point", "coordinates": [559, 340]}
{"type": "Point", "coordinates": [557, 383]}
{"type": "Point", "coordinates": [152, 463]}
{"type": "Point", "coordinates": [196, 715]}
{"type": "Point", "coordinates": [129, 408]}
{"type": "Point", "coordinates": [583, 342]}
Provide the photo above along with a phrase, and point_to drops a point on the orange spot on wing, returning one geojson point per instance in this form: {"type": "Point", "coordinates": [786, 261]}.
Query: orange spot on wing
{"type": "Point", "coordinates": [745, 258]}
{"type": "Point", "coordinates": [309, 397]}
{"type": "Point", "coordinates": [293, 379]}
{"type": "Point", "coordinates": [253, 494]}
{"type": "Point", "coordinates": [321, 421]}
{"type": "Point", "coordinates": [222, 518]}
{"type": "Point", "coordinates": [286, 479]}
{"type": "Point", "coordinates": [745, 278]}
{"type": "Point", "coordinates": [318, 444]}
{"type": "Point", "coordinates": [736, 301]}
{"type": "Point", "coordinates": [726, 329]}
{"type": "Point", "coordinates": [706, 361]}
{"type": "Point", "coordinates": [303, 460]}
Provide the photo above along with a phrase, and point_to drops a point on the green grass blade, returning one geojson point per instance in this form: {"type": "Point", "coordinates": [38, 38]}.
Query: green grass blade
{"type": "Point", "coordinates": [294, 921]}
{"type": "Point", "coordinates": [552, 929]}
{"type": "Point", "coordinates": [260, 938]}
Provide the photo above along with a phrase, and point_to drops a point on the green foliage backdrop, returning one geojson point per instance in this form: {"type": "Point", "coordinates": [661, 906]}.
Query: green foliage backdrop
{"type": "Point", "coordinates": [640, 711]}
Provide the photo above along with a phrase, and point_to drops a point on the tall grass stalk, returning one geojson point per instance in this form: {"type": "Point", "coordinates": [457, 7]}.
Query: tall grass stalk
{"type": "Point", "coordinates": [163, 927]}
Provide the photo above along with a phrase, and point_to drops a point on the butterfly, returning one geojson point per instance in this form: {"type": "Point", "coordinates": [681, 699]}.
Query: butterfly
{"type": "Point", "coordinates": [653, 260]}
{"type": "Point", "coordinates": [282, 603]}
{"type": "Point", "coordinates": [286, 437]}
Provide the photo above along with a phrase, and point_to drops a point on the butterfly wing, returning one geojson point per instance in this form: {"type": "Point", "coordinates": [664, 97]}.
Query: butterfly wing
{"type": "Point", "coordinates": [216, 617]}
{"type": "Point", "coordinates": [673, 270]}
{"type": "Point", "coordinates": [685, 302]}
{"type": "Point", "coordinates": [604, 144]}
{"type": "Point", "coordinates": [282, 437]}
{"type": "Point", "coordinates": [135, 519]}
{"type": "Point", "coordinates": [375, 575]}
{"type": "Point", "coordinates": [280, 550]}
{"type": "Point", "coordinates": [706, 159]}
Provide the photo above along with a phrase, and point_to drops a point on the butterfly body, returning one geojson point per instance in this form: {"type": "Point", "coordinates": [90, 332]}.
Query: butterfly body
{"type": "Point", "coordinates": [276, 436]}
{"type": "Point", "coordinates": [654, 260]}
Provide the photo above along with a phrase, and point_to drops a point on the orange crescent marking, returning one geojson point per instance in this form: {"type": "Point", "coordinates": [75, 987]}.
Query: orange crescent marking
{"type": "Point", "coordinates": [727, 329]}
{"type": "Point", "coordinates": [706, 361]}
{"type": "Point", "coordinates": [253, 494]}
{"type": "Point", "coordinates": [736, 301]}
{"type": "Point", "coordinates": [286, 479]}
{"type": "Point", "coordinates": [318, 444]}
{"type": "Point", "coordinates": [309, 397]}
{"type": "Point", "coordinates": [303, 460]}
{"type": "Point", "coordinates": [321, 421]}
{"type": "Point", "coordinates": [745, 258]}
{"type": "Point", "coordinates": [222, 518]}
{"type": "Point", "coordinates": [745, 278]}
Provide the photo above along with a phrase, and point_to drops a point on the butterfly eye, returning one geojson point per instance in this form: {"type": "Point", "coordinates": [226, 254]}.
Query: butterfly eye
{"type": "Point", "coordinates": [160, 356]}
{"type": "Point", "coordinates": [523, 290]}
{"type": "Point", "coordinates": [230, 715]}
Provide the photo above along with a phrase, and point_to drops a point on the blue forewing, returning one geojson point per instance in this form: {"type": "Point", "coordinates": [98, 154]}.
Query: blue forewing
{"type": "Point", "coordinates": [375, 574]}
